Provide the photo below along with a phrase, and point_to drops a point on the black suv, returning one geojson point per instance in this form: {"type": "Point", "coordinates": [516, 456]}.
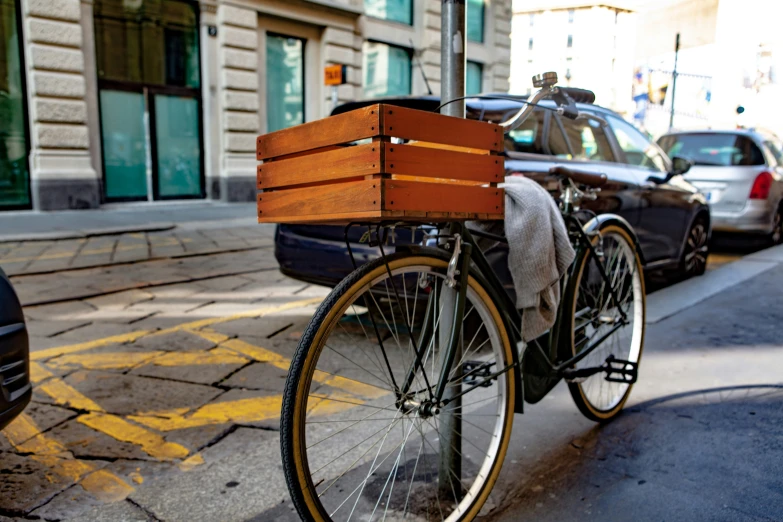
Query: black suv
{"type": "Point", "coordinates": [15, 387]}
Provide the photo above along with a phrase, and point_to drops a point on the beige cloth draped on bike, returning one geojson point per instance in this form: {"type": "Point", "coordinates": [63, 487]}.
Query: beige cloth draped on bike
{"type": "Point", "coordinates": [539, 252]}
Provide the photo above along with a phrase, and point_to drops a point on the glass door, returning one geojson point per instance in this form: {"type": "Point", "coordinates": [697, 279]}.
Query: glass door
{"type": "Point", "coordinates": [149, 80]}
{"type": "Point", "coordinates": [14, 176]}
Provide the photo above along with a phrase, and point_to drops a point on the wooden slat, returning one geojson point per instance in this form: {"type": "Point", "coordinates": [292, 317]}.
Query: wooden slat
{"type": "Point", "coordinates": [417, 161]}
{"type": "Point", "coordinates": [343, 128]}
{"type": "Point", "coordinates": [436, 128]}
{"type": "Point", "coordinates": [428, 145]}
{"type": "Point", "coordinates": [345, 162]}
{"type": "Point", "coordinates": [353, 196]}
{"type": "Point", "coordinates": [437, 197]}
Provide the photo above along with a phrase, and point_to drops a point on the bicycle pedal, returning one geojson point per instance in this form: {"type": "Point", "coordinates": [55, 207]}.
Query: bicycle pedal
{"type": "Point", "coordinates": [477, 373]}
{"type": "Point", "coordinates": [620, 370]}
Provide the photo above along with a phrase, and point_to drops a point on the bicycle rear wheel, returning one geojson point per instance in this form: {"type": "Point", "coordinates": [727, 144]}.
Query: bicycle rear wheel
{"type": "Point", "coordinates": [353, 448]}
{"type": "Point", "coordinates": [596, 317]}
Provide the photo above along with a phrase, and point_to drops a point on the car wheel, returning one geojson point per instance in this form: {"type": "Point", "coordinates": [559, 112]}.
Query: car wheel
{"type": "Point", "coordinates": [694, 255]}
{"type": "Point", "coordinates": [776, 237]}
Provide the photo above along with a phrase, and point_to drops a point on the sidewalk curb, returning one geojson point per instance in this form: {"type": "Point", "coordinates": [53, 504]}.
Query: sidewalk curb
{"type": "Point", "coordinates": [83, 234]}
{"type": "Point", "coordinates": [668, 301]}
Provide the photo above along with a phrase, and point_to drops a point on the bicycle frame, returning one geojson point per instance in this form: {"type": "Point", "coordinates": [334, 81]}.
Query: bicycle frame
{"type": "Point", "coordinates": [470, 253]}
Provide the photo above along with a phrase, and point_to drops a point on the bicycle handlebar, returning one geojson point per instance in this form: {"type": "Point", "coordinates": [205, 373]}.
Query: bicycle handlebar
{"type": "Point", "coordinates": [566, 99]}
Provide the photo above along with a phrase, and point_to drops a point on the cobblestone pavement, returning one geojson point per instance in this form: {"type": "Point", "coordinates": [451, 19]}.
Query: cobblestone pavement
{"type": "Point", "coordinates": [138, 384]}
{"type": "Point", "coordinates": [42, 257]}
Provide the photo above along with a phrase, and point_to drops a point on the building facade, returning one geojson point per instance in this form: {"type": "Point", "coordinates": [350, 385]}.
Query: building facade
{"type": "Point", "coordinates": [106, 101]}
{"type": "Point", "coordinates": [589, 44]}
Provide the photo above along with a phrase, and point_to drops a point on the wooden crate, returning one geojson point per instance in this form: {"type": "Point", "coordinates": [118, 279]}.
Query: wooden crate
{"type": "Point", "coordinates": [448, 169]}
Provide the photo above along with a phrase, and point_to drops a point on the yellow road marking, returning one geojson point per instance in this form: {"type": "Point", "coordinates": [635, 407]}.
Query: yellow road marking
{"type": "Point", "coordinates": [191, 462]}
{"type": "Point", "coordinates": [89, 345]}
{"type": "Point", "coordinates": [254, 409]}
{"type": "Point", "coordinates": [278, 361]}
{"type": "Point", "coordinates": [102, 361]}
{"type": "Point", "coordinates": [120, 429]}
{"type": "Point", "coordinates": [67, 395]}
{"type": "Point", "coordinates": [38, 373]}
{"type": "Point", "coordinates": [93, 251]}
{"type": "Point", "coordinates": [201, 323]}
{"type": "Point", "coordinates": [216, 356]}
{"type": "Point", "coordinates": [26, 437]}
{"type": "Point", "coordinates": [106, 486]}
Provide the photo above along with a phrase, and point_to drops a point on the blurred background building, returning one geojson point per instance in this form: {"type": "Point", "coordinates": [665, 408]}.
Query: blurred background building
{"type": "Point", "coordinates": [106, 101]}
{"type": "Point", "coordinates": [589, 44]}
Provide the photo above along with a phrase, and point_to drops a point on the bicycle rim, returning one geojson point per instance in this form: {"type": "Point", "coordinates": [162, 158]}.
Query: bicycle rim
{"type": "Point", "coordinates": [596, 315]}
{"type": "Point", "coordinates": [352, 449]}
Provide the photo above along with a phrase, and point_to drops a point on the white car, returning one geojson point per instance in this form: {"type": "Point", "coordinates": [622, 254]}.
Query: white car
{"type": "Point", "coordinates": [741, 174]}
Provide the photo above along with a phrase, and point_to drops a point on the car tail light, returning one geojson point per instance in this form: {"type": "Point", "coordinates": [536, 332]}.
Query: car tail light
{"type": "Point", "coordinates": [761, 186]}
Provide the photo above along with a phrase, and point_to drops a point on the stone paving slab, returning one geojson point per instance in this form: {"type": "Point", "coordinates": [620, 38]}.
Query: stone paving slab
{"type": "Point", "coordinates": [81, 284]}
{"type": "Point", "coordinates": [22, 258]}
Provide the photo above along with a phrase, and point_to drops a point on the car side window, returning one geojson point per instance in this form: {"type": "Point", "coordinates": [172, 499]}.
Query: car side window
{"type": "Point", "coordinates": [587, 139]}
{"type": "Point", "coordinates": [775, 150]}
{"type": "Point", "coordinates": [528, 137]}
{"type": "Point", "coordinates": [638, 149]}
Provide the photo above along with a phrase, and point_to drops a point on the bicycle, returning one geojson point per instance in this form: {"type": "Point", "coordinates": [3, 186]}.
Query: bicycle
{"type": "Point", "coordinates": [400, 398]}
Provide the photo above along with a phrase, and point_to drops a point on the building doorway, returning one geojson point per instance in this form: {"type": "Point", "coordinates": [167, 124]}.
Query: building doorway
{"type": "Point", "coordinates": [147, 55]}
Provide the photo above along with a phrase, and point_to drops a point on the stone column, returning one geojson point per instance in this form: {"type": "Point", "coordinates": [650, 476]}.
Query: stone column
{"type": "Point", "coordinates": [62, 176]}
{"type": "Point", "coordinates": [238, 100]}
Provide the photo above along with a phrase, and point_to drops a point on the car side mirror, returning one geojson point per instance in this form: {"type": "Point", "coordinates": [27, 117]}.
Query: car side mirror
{"type": "Point", "coordinates": [681, 165]}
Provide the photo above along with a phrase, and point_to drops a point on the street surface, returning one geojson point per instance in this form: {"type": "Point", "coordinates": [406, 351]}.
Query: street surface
{"type": "Point", "coordinates": [159, 357]}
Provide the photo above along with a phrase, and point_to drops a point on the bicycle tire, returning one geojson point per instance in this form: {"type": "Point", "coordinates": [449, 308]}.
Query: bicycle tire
{"type": "Point", "coordinates": [584, 398]}
{"type": "Point", "coordinates": [295, 404]}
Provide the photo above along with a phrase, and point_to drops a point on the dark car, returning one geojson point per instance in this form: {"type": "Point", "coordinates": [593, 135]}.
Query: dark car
{"type": "Point", "coordinates": [670, 216]}
{"type": "Point", "coordinates": [15, 387]}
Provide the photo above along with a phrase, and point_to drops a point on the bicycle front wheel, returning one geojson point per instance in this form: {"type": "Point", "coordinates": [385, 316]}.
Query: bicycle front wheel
{"type": "Point", "coordinates": [357, 444]}
{"type": "Point", "coordinates": [607, 315]}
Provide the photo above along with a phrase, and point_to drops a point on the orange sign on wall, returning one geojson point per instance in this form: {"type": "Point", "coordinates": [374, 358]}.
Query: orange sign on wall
{"type": "Point", "coordinates": [334, 75]}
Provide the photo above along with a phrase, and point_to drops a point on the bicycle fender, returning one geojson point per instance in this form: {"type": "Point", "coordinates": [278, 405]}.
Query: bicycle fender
{"type": "Point", "coordinates": [601, 220]}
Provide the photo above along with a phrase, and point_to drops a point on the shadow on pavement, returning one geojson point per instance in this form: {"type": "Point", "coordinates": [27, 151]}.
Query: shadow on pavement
{"type": "Point", "coordinates": [707, 454]}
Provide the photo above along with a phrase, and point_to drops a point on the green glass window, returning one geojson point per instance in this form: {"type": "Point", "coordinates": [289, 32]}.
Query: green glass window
{"type": "Point", "coordinates": [475, 16]}
{"type": "Point", "coordinates": [284, 82]}
{"type": "Point", "coordinates": [14, 180]}
{"type": "Point", "coordinates": [473, 76]}
{"type": "Point", "coordinates": [154, 42]}
{"type": "Point", "coordinates": [178, 146]}
{"type": "Point", "coordinates": [394, 10]}
{"type": "Point", "coordinates": [387, 70]}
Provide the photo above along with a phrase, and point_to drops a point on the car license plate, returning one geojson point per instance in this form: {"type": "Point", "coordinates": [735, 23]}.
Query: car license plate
{"type": "Point", "coordinates": [713, 196]}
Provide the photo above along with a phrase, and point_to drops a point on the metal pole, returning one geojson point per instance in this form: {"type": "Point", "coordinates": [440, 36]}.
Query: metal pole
{"type": "Point", "coordinates": [674, 78]}
{"type": "Point", "coordinates": [452, 56]}
{"type": "Point", "coordinates": [452, 86]}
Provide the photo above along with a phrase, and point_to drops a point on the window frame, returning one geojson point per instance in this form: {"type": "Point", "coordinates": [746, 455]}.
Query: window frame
{"type": "Point", "coordinates": [305, 91]}
{"type": "Point", "coordinates": [406, 24]}
{"type": "Point", "coordinates": [480, 66]}
{"type": "Point", "coordinates": [483, 23]}
{"type": "Point", "coordinates": [407, 50]}
{"type": "Point", "coordinates": [18, 15]}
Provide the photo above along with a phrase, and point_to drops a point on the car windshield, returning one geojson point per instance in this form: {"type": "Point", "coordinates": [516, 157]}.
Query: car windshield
{"type": "Point", "coordinates": [723, 150]}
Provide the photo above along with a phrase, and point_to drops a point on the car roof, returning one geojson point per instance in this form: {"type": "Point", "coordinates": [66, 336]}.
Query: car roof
{"type": "Point", "coordinates": [502, 102]}
{"type": "Point", "coordinates": [737, 132]}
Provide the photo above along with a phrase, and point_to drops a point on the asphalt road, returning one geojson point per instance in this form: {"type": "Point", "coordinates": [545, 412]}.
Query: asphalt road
{"type": "Point", "coordinates": [158, 385]}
